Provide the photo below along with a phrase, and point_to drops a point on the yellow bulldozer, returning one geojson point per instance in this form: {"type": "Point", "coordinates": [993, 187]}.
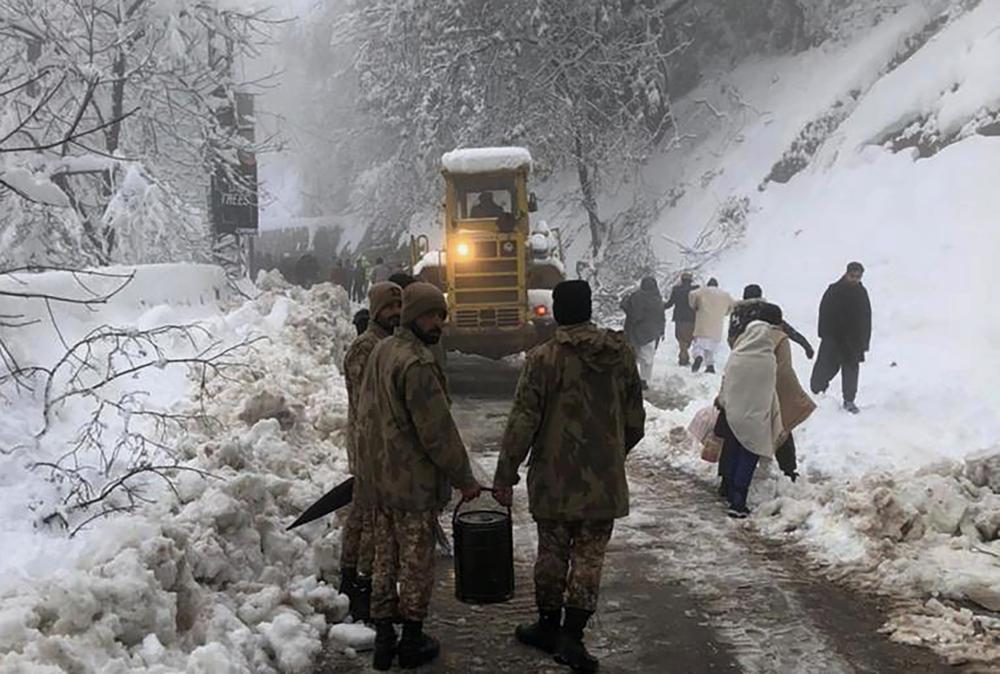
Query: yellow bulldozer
{"type": "Point", "coordinates": [496, 269]}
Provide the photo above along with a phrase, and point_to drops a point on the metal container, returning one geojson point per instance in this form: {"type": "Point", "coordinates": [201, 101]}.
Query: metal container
{"type": "Point", "coordinates": [484, 556]}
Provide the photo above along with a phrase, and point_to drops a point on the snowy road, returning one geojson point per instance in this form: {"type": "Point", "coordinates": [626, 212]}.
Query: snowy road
{"type": "Point", "coordinates": [685, 589]}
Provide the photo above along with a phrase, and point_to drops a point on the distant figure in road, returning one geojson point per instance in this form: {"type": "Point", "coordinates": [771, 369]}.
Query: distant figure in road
{"type": "Point", "coordinates": [845, 331]}
{"type": "Point", "coordinates": [381, 271]}
{"type": "Point", "coordinates": [357, 548]}
{"type": "Point", "coordinates": [359, 284]}
{"type": "Point", "coordinates": [486, 208]}
{"type": "Point", "coordinates": [749, 420]}
{"type": "Point", "coordinates": [307, 270]}
{"type": "Point", "coordinates": [683, 316]}
{"type": "Point", "coordinates": [339, 275]}
{"type": "Point", "coordinates": [412, 456]}
{"type": "Point", "coordinates": [711, 306]}
{"type": "Point", "coordinates": [645, 324]}
{"type": "Point", "coordinates": [579, 411]}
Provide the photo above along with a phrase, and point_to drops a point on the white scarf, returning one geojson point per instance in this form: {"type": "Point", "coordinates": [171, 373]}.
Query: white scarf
{"type": "Point", "coordinates": [749, 396]}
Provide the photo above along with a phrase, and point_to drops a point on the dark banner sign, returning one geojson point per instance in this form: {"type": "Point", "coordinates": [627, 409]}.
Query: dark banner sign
{"type": "Point", "coordinates": [234, 188]}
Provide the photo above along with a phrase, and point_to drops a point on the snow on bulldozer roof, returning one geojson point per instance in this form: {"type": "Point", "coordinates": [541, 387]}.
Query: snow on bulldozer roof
{"type": "Point", "coordinates": [486, 159]}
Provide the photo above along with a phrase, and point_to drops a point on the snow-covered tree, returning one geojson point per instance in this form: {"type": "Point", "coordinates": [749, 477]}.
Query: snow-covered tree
{"type": "Point", "coordinates": [98, 93]}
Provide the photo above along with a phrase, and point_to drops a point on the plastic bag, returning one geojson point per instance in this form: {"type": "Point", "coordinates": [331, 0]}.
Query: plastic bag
{"type": "Point", "coordinates": [702, 428]}
{"type": "Point", "coordinates": [703, 423]}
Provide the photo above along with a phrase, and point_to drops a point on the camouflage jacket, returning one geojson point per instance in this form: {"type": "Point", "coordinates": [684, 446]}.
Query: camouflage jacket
{"type": "Point", "coordinates": [409, 447]}
{"type": "Point", "coordinates": [579, 410]}
{"type": "Point", "coordinates": [354, 370]}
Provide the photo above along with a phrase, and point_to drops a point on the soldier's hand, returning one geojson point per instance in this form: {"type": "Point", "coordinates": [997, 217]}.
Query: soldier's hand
{"type": "Point", "coordinates": [470, 493]}
{"type": "Point", "coordinates": [504, 495]}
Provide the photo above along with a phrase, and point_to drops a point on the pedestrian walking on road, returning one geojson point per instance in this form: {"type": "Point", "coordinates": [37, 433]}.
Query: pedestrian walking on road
{"type": "Point", "coordinates": [339, 275]}
{"type": "Point", "coordinates": [683, 317]}
{"type": "Point", "coordinates": [645, 324]}
{"type": "Point", "coordinates": [578, 410]}
{"type": "Point", "coordinates": [381, 271]}
{"type": "Point", "coordinates": [307, 270]}
{"type": "Point", "coordinates": [749, 420]}
{"type": "Point", "coordinates": [412, 455]}
{"type": "Point", "coordinates": [845, 332]}
{"type": "Point", "coordinates": [796, 406]}
{"type": "Point", "coordinates": [359, 284]}
{"type": "Point", "coordinates": [789, 388]}
{"type": "Point", "coordinates": [711, 306]}
{"type": "Point", "coordinates": [357, 545]}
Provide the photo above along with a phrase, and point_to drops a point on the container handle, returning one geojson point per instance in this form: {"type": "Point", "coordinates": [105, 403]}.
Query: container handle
{"type": "Point", "coordinates": [462, 501]}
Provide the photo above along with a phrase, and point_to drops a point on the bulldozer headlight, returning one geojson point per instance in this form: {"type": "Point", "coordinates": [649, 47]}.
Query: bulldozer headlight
{"type": "Point", "coordinates": [463, 250]}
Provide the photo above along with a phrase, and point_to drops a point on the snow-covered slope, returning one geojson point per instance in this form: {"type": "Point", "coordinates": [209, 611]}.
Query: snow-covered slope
{"type": "Point", "coordinates": [884, 149]}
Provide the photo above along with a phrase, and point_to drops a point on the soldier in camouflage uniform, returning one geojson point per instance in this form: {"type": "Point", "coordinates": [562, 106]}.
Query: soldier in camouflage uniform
{"type": "Point", "coordinates": [579, 411]}
{"type": "Point", "coordinates": [385, 301]}
{"type": "Point", "coordinates": [413, 456]}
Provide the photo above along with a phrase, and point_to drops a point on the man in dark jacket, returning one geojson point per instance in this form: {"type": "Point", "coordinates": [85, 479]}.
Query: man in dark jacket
{"type": "Point", "coordinates": [683, 316]}
{"type": "Point", "coordinates": [644, 324]}
{"type": "Point", "coordinates": [845, 331]}
{"type": "Point", "coordinates": [578, 410]}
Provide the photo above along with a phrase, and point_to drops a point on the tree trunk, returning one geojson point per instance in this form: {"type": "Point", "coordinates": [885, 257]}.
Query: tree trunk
{"type": "Point", "coordinates": [588, 189]}
{"type": "Point", "coordinates": [113, 137]}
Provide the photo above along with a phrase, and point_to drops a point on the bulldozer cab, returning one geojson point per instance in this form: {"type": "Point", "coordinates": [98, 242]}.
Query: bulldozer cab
{"type": "Point", "coordinates": [486, 255]}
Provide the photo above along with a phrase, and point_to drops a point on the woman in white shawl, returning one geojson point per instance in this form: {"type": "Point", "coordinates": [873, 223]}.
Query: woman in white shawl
{"type": "Point", "coordinates": [750, 418]}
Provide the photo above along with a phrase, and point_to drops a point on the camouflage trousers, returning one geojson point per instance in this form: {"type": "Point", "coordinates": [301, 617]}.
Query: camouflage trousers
{"type": "Point", "coordinates": [570, 559]}
{"type": "Point", "coordinates": [357, 544]}
{"type": "Point", "coordinates": [404, 554]}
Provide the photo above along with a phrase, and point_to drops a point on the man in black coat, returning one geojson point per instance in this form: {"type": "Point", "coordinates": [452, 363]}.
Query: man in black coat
{"type": "Point", "coordinates": [683, 316]}
{"type": "Point", "coordinates": [845, 331]}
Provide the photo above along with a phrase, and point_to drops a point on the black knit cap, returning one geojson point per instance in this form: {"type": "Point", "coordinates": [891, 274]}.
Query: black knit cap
{"type": "Point", "coordinates": [571, 302]}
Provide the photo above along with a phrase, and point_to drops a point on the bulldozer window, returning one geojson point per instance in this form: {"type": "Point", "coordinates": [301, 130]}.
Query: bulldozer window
{"type": "Point", "coordinates": [484, 198]}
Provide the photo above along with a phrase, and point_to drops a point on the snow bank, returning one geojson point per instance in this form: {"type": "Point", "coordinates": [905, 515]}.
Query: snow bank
{"type": "Point", "coordinates": [486, 159]}
{"type": "Point", "coordinates": [205, 578]}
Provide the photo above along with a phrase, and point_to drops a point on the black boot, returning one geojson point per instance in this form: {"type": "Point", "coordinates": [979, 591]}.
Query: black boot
{"type": "Point", "coordinates": [348, 581]}
{"type": "Point", "coordinates": [570, 650]}
{"type": "Point", "coordinates": [361, 600]}
{"type": "Point", "coordinates": [385, 645]}
{"type": "Point", "coordinates": [543, 634]}
{"type": "Point", "coordinates": [696, 365]}
{"type": "Point", "coordinates": [416, 648]}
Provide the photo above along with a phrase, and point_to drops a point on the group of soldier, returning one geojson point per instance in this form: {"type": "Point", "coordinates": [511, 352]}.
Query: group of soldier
{"type": "Point", "coordinates": [578, 411]}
